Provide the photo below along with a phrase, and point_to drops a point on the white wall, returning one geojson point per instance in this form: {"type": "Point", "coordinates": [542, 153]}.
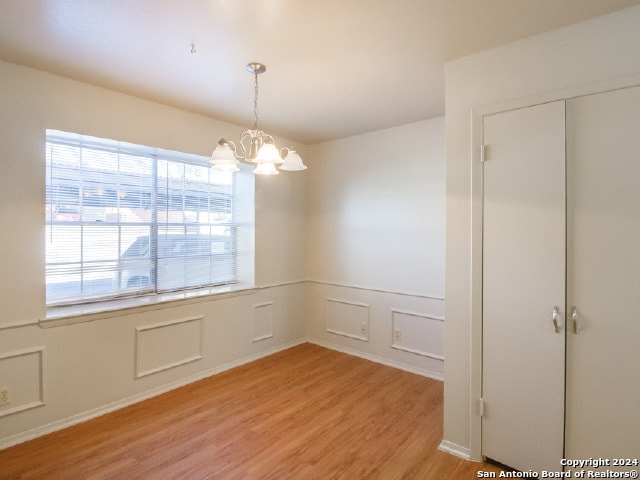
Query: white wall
{"type": "Point", "coordinates": [585, 58]}
{"type": "Point", "coordinates": [376, 244]}
{"type": "Point", "coordinates": [358, 238]}
{"type": "Point", "coordinates": [70, 372]}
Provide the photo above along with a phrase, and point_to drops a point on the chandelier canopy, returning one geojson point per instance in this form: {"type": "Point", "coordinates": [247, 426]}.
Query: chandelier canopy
{"type": "Point", "coordinates": [255, 146]}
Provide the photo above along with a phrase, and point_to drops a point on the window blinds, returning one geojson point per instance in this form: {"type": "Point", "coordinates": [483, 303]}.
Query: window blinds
{"type": "Point", "coordinates": [126, 220]}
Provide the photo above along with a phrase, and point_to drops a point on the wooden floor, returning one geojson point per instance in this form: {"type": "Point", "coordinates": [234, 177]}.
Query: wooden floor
{"type": "Point", "coordinates": [304, 413]}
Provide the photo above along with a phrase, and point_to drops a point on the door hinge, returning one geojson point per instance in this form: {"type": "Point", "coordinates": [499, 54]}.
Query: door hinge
{"type": "Point", "coordinates": [481, 407]}
{"type": "Point", "coordinates": [483, 153]}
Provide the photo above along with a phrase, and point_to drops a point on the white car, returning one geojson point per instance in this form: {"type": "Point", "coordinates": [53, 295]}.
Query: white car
{"type": "Point", "coordinates": [183, 261]}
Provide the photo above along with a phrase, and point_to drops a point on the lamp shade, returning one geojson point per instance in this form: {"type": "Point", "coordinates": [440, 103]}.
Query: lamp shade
{"type": "Point", "coordinates": [266, 169]}
{"type": "Point", "coordinates": [223, 154]}
{"type": "Point", "coordinates": [293, 162]}
{"type": "Point", "coordinates": [225, 167]}
{"type": "Point", "coordinates": [268, 153]}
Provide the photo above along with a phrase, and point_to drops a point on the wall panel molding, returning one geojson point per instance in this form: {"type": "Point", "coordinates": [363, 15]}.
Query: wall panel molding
{"type": "Point", "coordinates": [347, 318]}
{"type": "Point", "coordinates": [417, 333]}
{"type": "Point", "coordinates": [97, 412]}
{"type": "Point", "coordinates": [263, 314]}
{"type": "Point", "coordinates": [24, 376]}
{"type": "Point", "coordinates": [157, 347]}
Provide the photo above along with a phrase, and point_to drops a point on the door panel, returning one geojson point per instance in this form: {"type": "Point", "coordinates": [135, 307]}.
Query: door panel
{"type": "Point", "coordinates": [523, 279]}
{"type": "Point", "coordinates": [603, 360]}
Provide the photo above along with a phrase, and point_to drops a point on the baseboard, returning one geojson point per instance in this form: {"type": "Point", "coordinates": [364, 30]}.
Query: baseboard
{"type": "Point", "coordinates": [110, 407]}
{"type": "Point", "coordinates": [454, 449]}
{"type": "Point", "coordinates": [378, 359]}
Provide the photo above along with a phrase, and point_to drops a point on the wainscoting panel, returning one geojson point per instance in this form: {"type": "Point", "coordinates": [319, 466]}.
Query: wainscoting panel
{"type": "Point", "coordinates": [361, 321]}
{"type": "Point", "coordinates": [350, 319]}
{"type": "Point", "coordinates": [166, 345]}
{"type": "Point", "coordinates": [418, 333]}
{"type": "Point", "coordinates": [21, 373]}
{"type": "Point", "coordinates": [263, 321]}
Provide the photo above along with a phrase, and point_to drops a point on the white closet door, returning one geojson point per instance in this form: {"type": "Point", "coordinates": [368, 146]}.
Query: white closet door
{"type": "Point", "coordinates": [523, 279]}
{"type": "Point", "coordinates": [603, 360]}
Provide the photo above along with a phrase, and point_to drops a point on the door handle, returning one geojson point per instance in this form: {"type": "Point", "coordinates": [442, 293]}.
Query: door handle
{"type": "Point", "coordinates": [574, 319]}
{"type": "Point", "coordinates": [555, 317]}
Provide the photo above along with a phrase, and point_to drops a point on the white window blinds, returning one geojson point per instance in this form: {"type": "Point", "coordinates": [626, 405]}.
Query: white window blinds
{"type": "Point", "coordinates": [126, 220]}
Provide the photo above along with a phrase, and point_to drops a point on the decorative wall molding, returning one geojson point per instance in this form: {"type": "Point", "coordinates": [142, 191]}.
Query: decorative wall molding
{"type": "Point", "coordinates": [156, 347]}
{"type": "Point", "coordinates": [5, 325]}
{"type": "Point", "coordinates": [431, 328]}
{"type": "Point", "coordinates": [71, 315]}
{"type": "Point", "coordinates": [88, 415]}
{"type": "Point", "coordinates": [90, 312]}
{"type": "Point", "coordinates": [37, 399]}
{"type": "Point", "coordinates": [379, 290]}
{"type": "Point", "coordinates": [263, 314]}
{"type": "Point", "coordinates": [144, 366]}
{"type": "Point", "coordinates": [267, 286]}
{"type": "Point", "coordinates": [346, 318]}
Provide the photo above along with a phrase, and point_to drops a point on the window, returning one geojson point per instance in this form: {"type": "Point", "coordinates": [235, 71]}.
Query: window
{"type": "Point", "coordinates": [125, 220]}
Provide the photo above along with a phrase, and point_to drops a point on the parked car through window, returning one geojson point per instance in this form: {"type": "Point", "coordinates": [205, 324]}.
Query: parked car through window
{"type": "Point", "coordinates": [182, 261]}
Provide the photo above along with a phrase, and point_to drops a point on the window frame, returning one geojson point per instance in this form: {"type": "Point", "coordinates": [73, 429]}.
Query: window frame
{"type": "Point", "coordinates": [242, 219]}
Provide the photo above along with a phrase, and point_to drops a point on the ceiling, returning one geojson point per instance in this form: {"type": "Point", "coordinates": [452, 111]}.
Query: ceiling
{"type": "Point", "coordinates": [334, 67]}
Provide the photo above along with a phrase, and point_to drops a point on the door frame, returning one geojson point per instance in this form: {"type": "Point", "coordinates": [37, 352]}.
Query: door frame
{"type": "Point", "coordinates": [477, 200]}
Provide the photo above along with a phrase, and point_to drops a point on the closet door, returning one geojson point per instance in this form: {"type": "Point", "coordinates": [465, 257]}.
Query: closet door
{"type": "Point", "coordinates": [603, 361]}
{"type": "Point", "coordinates": [523, 284]}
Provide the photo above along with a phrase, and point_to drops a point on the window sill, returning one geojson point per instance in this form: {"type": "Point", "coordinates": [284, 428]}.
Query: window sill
{"type": "Point", "coordinates": [88, 312]}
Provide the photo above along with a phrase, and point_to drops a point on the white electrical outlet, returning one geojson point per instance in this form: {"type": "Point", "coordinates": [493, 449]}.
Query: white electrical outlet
{"type": "Point", "coordinates": [363, 328]}
{"type": "Point", "coordinates": [397, 335]}
{"type": "Point", "coordinates": [5, 397]}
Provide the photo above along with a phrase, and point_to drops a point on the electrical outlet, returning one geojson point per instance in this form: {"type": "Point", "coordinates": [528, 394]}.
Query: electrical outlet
{"type": "Point", "coordinates": [397, 335]}
{"type": "Point", "coordinates": [5, 397]}
{"type": "Point", "coordinates": [363, 328]}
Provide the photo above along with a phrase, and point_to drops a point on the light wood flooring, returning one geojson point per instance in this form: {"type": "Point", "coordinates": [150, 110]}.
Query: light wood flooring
{"type": "Point", "coordinates": [305, 413]}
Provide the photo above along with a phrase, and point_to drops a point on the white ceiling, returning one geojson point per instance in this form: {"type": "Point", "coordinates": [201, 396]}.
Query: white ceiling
{"type": "Point", "coordinates": [334, 67]}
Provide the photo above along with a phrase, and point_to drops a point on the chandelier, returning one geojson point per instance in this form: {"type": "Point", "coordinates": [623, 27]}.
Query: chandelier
{"type": "Point", "coordinates": [255, 146]}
